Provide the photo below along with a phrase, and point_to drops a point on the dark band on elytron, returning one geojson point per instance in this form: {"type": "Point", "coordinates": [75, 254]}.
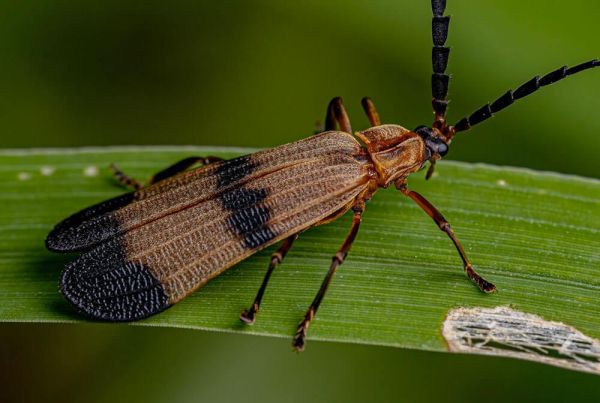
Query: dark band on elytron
{"type": "Point", "coordinates": [247, 216]}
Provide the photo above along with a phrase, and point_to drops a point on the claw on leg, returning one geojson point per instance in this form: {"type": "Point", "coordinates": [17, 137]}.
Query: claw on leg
{"type": "Point", "coordinates": [482, 283]}
{"type": "Point", "coordinates": [248, 316]}
{"type": "Point", "coordinates": [299, 338]}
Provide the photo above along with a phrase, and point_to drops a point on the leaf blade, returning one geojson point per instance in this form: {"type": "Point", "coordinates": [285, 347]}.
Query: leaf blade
{"type": "Point", "coordinates": [536, 235]}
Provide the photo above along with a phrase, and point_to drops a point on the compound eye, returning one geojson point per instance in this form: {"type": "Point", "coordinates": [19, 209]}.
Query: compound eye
{"type": "Point", "coordinates": [442, 148]}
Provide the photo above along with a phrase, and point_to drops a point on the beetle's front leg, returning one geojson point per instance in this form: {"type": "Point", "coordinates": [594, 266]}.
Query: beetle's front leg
{"type": "Point", "coordinates": [337, 116]}
{"type": "Point", "coordinates": [443, 224]}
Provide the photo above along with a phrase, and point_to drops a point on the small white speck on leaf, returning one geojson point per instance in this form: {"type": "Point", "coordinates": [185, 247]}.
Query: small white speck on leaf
{"type": "Point", "coordinates": [90, 171]}
{"type": "Point", "coordinates": [501, 182]}
{"type": "Point", "coordinates": [47, 170]}
{"type": "Point", "coordinates": [24, 176]}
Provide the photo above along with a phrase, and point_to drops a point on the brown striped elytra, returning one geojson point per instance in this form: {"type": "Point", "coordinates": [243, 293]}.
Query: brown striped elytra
{"type": "Point", "coordinates": [146, 250]}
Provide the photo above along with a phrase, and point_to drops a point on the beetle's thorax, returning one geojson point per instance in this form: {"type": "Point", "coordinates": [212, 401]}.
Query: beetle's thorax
{"type": "Point", "coordinates": [395, 151]}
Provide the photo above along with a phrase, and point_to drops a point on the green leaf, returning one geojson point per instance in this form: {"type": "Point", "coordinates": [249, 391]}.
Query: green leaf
{"type": "Point", "coordinates": [535, 235]}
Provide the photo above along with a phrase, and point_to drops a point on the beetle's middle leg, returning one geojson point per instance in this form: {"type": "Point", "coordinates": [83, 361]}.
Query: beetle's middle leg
{"type": "Point", "coordinates": [171, 170]}
{"type": "Point", "coordinates": [371, 111]}
{"type": "Point", "coordinates": [249, 315]}
{"type": "Point", "coordinates": [338, 259]}
{"type": "Point", "coordinates": [439, 219]}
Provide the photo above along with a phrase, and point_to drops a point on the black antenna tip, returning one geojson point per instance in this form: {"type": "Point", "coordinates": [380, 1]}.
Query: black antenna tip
{"type": "Point", "coordinates": [438, 7]}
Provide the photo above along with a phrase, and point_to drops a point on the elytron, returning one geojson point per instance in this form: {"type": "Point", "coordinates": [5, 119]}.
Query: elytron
{"type": "Point", "coordinates": [146, 250]}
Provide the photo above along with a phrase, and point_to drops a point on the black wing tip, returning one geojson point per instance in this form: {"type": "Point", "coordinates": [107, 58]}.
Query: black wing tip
{"type": "Point", "coordinates": [60, 240]}
{"type": "Point", "coordinates": [55, 243]}
{"type": "Point", "coordinates": [88, 227]}
{"type": "Point", "coordinates": [102, 304]}
{"type": "Point", "coordinates": [52, 244]}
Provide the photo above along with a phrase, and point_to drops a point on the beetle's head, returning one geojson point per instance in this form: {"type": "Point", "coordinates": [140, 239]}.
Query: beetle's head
{"type": "Point", "coordinates": [434, 141]}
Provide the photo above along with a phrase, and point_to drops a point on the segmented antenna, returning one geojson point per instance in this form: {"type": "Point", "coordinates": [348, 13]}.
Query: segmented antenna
{"type": "Point", "coordinates": [439, 59]}
{"type": "Point", "coordinates": [488, 110]}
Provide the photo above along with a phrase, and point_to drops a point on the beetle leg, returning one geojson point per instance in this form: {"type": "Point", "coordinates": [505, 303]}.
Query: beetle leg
{"type": "Point", "coordinates": [336, 115]}
{"type": "Point", "coordinates": [249, 315]}
{"type": "Point", "coordinates": [371, 111]}
{"type": "Point", "coordinates": [330, 121]}
{"type": "Point", "coordinates": [182, 166]}
{"type": "Point", "coordinates": [430, 170]}
{"type": "Point", "coordinates": [174, 169]}
{"type": "Point", "coordinates": [338, 259]}
{"type": "Point", "coordinates": [125, 179]}
{"type": "Point", "coordinates": [439, 219]}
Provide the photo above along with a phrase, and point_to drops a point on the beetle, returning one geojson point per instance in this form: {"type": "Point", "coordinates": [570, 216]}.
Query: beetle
{"type": "Point", "coordinates": [146, 250]}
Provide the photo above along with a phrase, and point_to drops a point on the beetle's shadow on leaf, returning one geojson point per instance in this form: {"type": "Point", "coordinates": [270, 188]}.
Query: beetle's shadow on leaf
{"type": "Point", "coordinates": [45, 268]}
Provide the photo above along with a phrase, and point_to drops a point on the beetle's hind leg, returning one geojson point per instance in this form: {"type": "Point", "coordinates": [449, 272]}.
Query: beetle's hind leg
{"type": "Point", "coordinates": [443, 224]}
{"type": "Point", "coordinates": [182, 165]}
{"type": "Point", "coordinates": [249, 315]}
{"type": "Point", "coordinates": [125, 180]}
{"type": "Point", "coordinates": [338, 259]}
{"type": "Point", "coordinates": [172, 170]}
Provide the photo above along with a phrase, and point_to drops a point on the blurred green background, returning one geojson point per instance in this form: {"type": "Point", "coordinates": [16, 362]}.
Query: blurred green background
{"type": "Point", "coordinates": [258, 74]}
